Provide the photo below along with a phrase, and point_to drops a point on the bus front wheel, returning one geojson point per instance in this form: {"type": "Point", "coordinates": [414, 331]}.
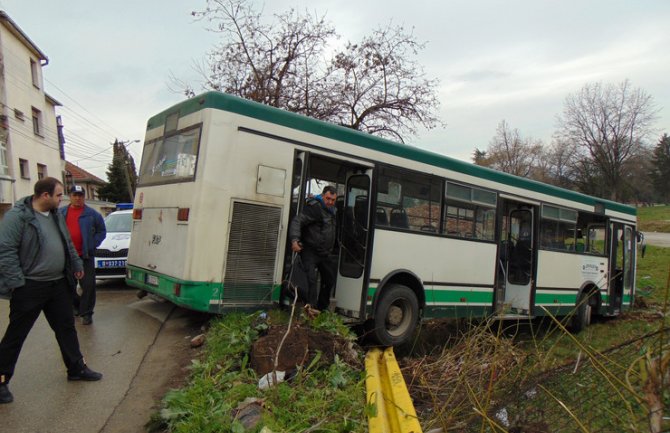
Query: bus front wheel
{"type": "Point", "coordinates": [396, 315]}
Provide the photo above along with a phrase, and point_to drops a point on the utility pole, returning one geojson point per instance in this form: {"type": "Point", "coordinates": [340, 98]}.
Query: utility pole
{"type": "Point", "coordinates": [118, 153]}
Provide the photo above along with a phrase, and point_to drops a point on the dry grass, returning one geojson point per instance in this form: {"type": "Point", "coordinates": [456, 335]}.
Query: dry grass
{"type": "Point", "coordinates": [452, 388]}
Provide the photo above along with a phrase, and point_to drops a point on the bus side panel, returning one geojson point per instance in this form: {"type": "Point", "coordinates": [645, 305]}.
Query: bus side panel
{"type": "Point", "coordinates": [561, 275]}
{"type": "Point", "coordinates": [458, 275]}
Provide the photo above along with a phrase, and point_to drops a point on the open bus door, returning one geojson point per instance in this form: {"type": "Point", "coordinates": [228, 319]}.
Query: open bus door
{"type": "Point", "coordinates": [311, 172]}
{"type": "Point", "coordinates": [622, 266]}
{"type": "Point", "coordinates": [517, 252]}
{"type": "Point", "coordinates": [350, 290]}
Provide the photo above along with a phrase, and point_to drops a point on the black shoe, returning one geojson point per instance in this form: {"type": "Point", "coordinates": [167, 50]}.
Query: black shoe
{"type": "Point", "coordinates": [5, 395]}
{"type": "Point", "coordinates": [86, 320]}
{"type": "Point", "coordinates": [84, 373]}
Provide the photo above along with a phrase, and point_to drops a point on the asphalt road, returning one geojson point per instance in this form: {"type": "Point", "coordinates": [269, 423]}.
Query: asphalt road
{"type": "Point", "coordinates": [141, 347]}
{"type": "Point", "coordinates": [657, 239]}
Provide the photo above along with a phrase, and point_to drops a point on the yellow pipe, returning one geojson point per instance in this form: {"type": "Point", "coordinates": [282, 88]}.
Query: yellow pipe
{"type": "Point", "coordinates": [392, 408]}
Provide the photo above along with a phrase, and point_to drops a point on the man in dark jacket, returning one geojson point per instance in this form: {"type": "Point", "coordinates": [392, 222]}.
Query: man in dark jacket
{"type": "Point", "coordinates": [313, 233]}
{"type": "Point", "coordinates": [87, 230]}
{"type": "Point", "coordinates": [38, 267]}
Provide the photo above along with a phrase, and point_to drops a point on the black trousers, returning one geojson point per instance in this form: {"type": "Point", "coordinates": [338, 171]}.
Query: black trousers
{"type": "Point", "coordinates": [327, 267]}
{"type": "Point", "coordinates": [86, 302]}
{"type": "Point", "coordinates": [55, 299]}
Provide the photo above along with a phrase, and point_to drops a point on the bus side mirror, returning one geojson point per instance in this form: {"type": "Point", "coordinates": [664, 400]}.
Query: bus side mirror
{"type": "Point", "coordinates": [640, 240]}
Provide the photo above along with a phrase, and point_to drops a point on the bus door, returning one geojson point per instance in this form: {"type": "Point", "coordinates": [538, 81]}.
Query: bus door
{"type": "Point", "coordinates": [350, 291]}
{"type": "Point", "coordinates": [311, 173]}
{"type": "Point", "coordinates": [622, 265]}
{"type": "Point", "coordinates": [516, 273]}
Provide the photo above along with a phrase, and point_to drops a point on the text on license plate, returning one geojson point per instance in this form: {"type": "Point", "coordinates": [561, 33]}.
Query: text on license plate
{"type": "Point", "coordinates": [111, 263]}
{"type": "Point", "coordinates": [152, 279]}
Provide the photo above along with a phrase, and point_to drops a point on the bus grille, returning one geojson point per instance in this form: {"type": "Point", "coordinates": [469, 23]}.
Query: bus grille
{"type": "Point", "coordinates": [252, 252]}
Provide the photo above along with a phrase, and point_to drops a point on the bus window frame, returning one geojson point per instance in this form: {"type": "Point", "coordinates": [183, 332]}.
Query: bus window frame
{"type": "Point", "coordinates": [163, 138]}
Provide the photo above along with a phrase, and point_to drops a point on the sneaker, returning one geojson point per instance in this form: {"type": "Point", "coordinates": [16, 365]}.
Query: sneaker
{"type": "Point", "coordinates": [84, 374]}
{"type": "Point", "coordinates": [86, 320]}
{"type": "Point", "coordinates": [5, 395]}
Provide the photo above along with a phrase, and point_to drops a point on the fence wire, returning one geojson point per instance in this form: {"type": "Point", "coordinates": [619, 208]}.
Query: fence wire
{"type": "Point", "coordinates": [610, 391]}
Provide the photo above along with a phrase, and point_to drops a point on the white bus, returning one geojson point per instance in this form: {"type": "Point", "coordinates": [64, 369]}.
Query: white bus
{"type": "Point", "coordinates": [420, 234]}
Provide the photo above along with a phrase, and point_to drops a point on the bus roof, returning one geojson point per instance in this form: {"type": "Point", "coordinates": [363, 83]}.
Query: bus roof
{"type": "Point", "coordinates": [234, 104]}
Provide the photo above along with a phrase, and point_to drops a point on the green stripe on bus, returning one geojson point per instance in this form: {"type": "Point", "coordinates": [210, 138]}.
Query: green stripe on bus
{"type": "Point", "coordinates": [195, 295]}
{"type": "Point", "coordinates": [233, 104]}
{"type": "Point", "coordinates": [459, 296]}
{"type": "Point", "coordinates": [555, 298]}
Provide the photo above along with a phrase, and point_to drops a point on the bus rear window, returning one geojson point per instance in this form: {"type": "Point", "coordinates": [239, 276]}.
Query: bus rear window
{"type": "Point", "coordinates": [170, 159]}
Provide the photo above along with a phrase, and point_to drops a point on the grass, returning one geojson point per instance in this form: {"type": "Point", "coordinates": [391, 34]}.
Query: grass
{"type": "Point", "coordinates": [321, 396]}
{"type": "Point", "coordinates": [654, 218]}
{"type": "Point", "coordinates": [652, 274]}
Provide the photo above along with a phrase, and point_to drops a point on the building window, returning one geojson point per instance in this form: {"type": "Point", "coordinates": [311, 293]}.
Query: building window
{"type": "Point", "coordinates": [34, 70]}
{"type": "Point", "coordinates": [37, 122]}
{"type": "Point", "coordinates": [4, 168]}
{"type": "Point", "coordinates": [25, 168]}
{"type": "Point", "coordinates": [19, 114]}
{"type": "Point", "coordinates": [41, 171]}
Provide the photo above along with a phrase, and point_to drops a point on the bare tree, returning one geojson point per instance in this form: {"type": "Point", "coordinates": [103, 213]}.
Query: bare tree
{"type": "Point", "coordinates": [608, 125]}
{"type": "Point", "coordinates": [559, 159]}
{"type": "Point", "coordinates": [374, 86]}
{"type": "Point", "coordinates": [378, 88]}
{"type": "Point", "coordinates": [508, 151]}
{"type": "Point", "coordinates": [277, 64]}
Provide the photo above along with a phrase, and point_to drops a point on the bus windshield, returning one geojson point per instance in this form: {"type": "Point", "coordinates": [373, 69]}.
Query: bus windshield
{"type": "Point", "coordinates": [170, 159]}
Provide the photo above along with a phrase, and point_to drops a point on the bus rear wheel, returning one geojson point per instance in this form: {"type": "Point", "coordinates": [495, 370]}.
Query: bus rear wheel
{"type": "Point", "coordinates": [582, 317]}
{"type": "Point", "coordinates": [396, 315]}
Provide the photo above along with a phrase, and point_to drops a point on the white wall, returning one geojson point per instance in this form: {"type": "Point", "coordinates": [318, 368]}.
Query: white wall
{"type": "Point", "coordinates": [20, 93]}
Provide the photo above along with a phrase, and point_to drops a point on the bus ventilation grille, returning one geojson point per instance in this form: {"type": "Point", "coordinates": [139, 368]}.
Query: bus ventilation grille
{"type": "Point", "coordinates": [252, 253]}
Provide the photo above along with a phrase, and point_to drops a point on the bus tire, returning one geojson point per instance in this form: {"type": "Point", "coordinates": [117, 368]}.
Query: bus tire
{"type": "Point", "coordinates": [582, 316]}
{"type": "Point", "coordinates": [396, 315]}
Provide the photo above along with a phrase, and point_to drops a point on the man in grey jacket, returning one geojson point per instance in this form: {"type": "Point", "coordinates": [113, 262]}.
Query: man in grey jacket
{"type": "Point", "coordinates": [38, 267]}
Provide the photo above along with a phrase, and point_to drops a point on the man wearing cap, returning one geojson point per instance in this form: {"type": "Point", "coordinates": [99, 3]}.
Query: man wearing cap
{"type": "Point", "coordinates": [87, 229]}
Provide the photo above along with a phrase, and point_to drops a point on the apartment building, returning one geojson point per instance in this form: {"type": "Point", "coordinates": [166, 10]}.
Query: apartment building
{"type": "Point", "coordinates": [30, 148]}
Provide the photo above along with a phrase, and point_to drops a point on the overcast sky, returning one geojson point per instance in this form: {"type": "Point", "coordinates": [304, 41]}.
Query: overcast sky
{"type": "Point", "coordinates": [110, 61]}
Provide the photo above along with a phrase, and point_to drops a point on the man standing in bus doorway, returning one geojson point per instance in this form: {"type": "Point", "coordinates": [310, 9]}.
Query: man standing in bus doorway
{"type": "Point", "coordinates": [38, 267]}
{"type": "Point", "coordinates": [312, 233]}
{"type": "Point", "coordinates": [87, 229]}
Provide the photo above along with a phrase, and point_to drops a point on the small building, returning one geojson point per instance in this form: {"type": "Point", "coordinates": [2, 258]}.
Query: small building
{"type": "Point", "coordinates": [30, 148]}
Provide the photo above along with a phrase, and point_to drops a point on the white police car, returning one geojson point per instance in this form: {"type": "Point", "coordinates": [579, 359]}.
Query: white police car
{"type": "Point", "coordinates": [112, 254]}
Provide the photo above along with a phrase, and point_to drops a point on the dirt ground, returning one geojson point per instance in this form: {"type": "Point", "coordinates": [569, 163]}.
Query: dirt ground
{"type": "Point", "coordinates": [299, 349]}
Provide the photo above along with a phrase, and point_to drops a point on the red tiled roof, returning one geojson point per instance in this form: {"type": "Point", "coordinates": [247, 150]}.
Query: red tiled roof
{"type": "Point", "coordinates": [81, 175]}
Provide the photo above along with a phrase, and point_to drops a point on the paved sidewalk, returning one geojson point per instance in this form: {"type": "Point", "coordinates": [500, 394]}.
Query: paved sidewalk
{"type": "Point", "coordinates": [126, 333]}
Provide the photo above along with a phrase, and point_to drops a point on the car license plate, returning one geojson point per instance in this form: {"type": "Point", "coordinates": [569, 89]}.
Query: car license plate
{"type": "Point", "coordinates": [152, 279]}
{"type": "Point", "coordinates": [111, 263]}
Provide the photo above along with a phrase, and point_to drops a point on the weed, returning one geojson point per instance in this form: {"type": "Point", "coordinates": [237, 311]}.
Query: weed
{"type": "Point", "coordinates": [323, 396]}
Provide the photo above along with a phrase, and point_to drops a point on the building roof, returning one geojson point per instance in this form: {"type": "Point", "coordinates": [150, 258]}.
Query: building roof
{"type": "Point", "coordinates": [81, 175]}
{"type": "Point", "coordinates": [16, 31]}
